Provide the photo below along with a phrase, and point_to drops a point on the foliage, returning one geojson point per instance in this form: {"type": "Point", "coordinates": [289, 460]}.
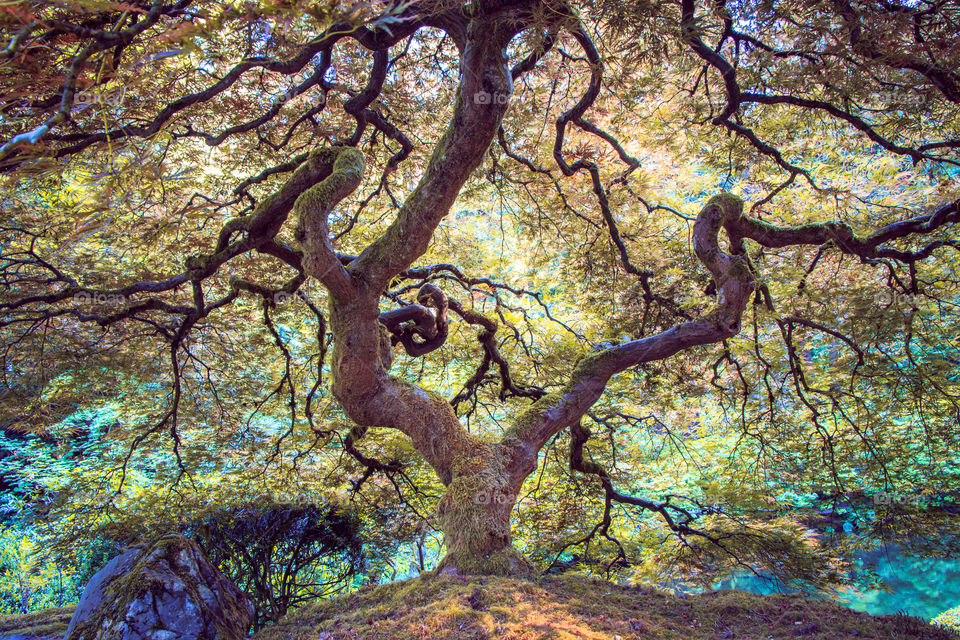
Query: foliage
{"type": "Point", "coordinates": [949, 619]}
{"type": "Point", "coordinates": [29, 578]}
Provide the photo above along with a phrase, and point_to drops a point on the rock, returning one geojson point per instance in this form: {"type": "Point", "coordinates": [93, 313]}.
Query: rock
{"type": "Point", "coordinates": [93, 593]}
{"type": "Point", "coordinates": [164, 591]}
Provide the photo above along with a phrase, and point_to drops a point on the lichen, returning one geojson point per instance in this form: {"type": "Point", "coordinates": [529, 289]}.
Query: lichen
{"type": "Point", "coordinates": [589, 365]}
{"type": "Point", "coordinates": [738, 270]}
{"type": "Point", "coordinates": [504, 562]}
{"type": "Point", "coordinates": [525, 421]}
{"type": "Point", "coordinates": [475, 512]}
{"type": "Point", "coordinates": [593, 362]}
{"type": "Point", "coordinates": [196, 264]}
{"type": "Point", "coordinates": [315, 203]}
{"type": "Point", "coordinates": [46, 623]}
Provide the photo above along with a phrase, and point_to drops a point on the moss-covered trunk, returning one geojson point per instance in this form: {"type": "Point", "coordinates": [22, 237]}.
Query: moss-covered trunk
{"type": "Point", "coordinates": [482, 479]}
{"type": "Point", "coordinates": [475, 513]}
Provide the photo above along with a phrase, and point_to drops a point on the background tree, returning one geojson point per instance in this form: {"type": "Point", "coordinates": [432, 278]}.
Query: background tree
{"type": "Point", "coordinates": [813, 346]}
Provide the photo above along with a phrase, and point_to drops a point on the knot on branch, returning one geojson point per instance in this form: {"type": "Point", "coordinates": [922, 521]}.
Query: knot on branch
{"type": "Point", "coordinates": [842, 235]}
{"type": "Point", "coordinates": [421, 327]}
{"type": "Point", "coordinates": [732, 275]}
{"type": "Point", "coordinates": [197, 265]}
{"type": "Point", "coordinates": [579, 434]}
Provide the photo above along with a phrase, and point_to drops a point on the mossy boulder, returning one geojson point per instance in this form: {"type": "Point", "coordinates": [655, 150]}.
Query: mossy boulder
{"type": "Point", "coordinates": [167, 590]}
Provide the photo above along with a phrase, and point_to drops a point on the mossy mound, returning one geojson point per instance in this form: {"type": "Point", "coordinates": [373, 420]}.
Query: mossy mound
{"type": "Point", "coordinates": [47, 623]}
{"type": "Point", "coordinates": [576, 608]}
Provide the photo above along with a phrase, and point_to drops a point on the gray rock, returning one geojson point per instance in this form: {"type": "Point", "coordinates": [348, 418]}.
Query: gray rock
{"type": "Point", "coordinates": [165, 591]}
{"type": "Point", "coordinates": [93, 593]}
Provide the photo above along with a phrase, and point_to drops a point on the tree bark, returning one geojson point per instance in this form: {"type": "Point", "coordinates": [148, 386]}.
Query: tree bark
{"type": "Point", "coordinates": [483, 479]}
{"type": "Point", "coordinates": [475, 511]}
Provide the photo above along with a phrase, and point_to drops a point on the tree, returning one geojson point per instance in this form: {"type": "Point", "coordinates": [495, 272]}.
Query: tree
{"type": "Point", "coordinates": [837, 123]}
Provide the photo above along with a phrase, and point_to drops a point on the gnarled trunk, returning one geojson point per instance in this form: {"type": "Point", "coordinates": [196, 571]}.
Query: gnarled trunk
{"type": "Point", "coordinates": [482, 478]}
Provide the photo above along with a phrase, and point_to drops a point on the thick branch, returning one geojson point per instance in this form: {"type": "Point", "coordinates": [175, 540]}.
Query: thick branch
{"type": "Point", "coordinates": [314, 206]}
{"type": "Point", "coordinates": [734, 282]}
{"type": "Point", "coordinates": [368, 395]}
{"type": "Point", "coordinates": [429, 319]}
{"type": "Point", "coordinates": [477, 114]}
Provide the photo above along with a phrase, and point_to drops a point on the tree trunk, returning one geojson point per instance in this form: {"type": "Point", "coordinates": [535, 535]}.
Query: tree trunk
{"type": "Point", "coordinates": [482, 478]}
{"type": "Point", "coordinates": [475, 513]}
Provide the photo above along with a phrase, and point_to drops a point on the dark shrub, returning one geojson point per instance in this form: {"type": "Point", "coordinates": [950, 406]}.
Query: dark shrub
{"type": "Point", "coordinates": [283, 555]}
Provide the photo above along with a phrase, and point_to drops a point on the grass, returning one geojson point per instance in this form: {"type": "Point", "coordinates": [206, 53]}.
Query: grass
{"type": "Point", "coordinates": [48, 623]}
{"type": "Point", "coordinates": [578, 608]}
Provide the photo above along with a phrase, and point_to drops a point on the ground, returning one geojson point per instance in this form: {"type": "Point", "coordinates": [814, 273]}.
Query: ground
{"type": "Point", "coordinates": [557, 608]}
{"type": "Point", "coordinates": [572, 607]}
{"type": "Point", "coordinates": [48, 623]}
